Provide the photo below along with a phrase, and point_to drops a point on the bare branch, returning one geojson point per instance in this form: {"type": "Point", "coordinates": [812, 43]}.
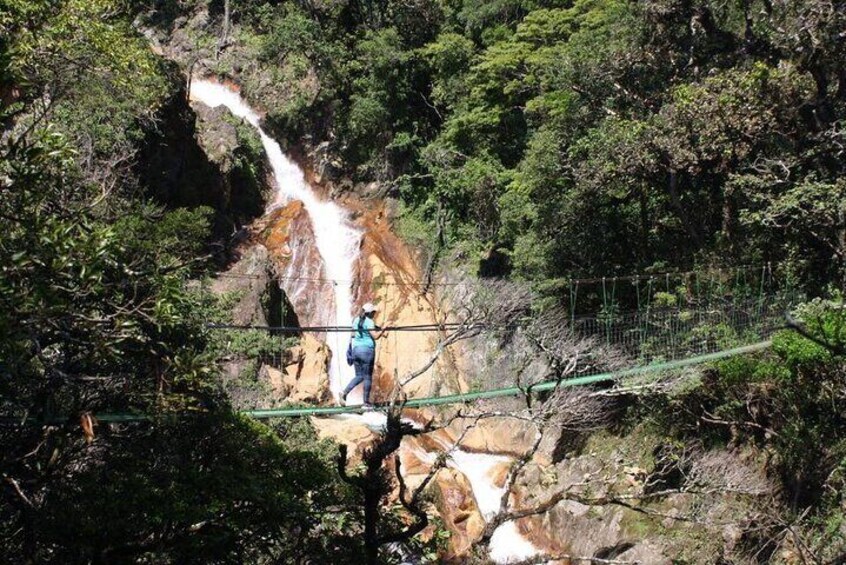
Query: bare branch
{"type": "Point", "coordinates": [422, 519]}
{"type": "Point", "coordinates": [17, 488]}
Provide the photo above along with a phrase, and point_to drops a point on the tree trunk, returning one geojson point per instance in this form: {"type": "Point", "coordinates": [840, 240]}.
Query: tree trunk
{"type": "Point", "coordinates": [371, 516]}
{"type": "Point", "coordinates": [841, 243]}
{"type": "Point", "coordinates": [644, 222]}
{"type": "Point", "coordinates": [729, 215]}
{"type": "Point", "coordinates": [374, 485]}
{"type": "Point", "coordinates": [821, 80]}
{"type": "Point", "coordinates": [673, 190]}
{"type": "Point", "coordinates": [224, 35]}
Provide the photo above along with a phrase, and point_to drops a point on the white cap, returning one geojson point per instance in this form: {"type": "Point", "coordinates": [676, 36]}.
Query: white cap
{"type": "Point", "coordinates": [368, 308]}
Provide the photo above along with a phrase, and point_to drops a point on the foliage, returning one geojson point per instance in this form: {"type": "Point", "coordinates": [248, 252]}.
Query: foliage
{"type": "Point", "coordinates": [98, 315]}
{"type": "Point", "coordinates": [781, 407]}
{"type": "Point", "coordinates": [98, 81]}
{"type": "Point", "coordinates": [699, 132]}
{"type": "Point", "coordinates": [784, 401]}
{"type": "Point", "coordinates": [241, 493]}
{"type": "Point", "coordinates": [579, 138]}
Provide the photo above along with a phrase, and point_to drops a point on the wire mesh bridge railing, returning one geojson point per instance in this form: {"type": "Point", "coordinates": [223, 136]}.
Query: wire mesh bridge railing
{"type": "Point", "coordinates": [658, 334]}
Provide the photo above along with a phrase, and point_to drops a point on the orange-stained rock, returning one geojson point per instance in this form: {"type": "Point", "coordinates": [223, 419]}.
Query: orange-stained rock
{"type": "Point", "coordinates": [459, 512]}
{"type": "Point", "coordinates": [356, 436]}
{"type": "Point", "coordinates": [289, 238]}
{"type": "Point", "coordinates": [499, 474]}
{"type": "Point", "coordinates": [416, 457]}
{"type": "Point", "coordinates": [438, 440]}
{"type": "Point", "coordinates": [306, 378]}
{"type": "Point", "coordinates": [505, 436]}
{"type": "Point", "coordinates": [388, 275]}
{"type": "Point", "coordinates": [276, 378]}
{"type": "Point", "coordinates": [415, 461]}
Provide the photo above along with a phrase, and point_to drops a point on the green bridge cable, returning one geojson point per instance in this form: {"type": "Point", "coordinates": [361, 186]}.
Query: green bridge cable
{"type": "Point", "coordinates": [481, 395]}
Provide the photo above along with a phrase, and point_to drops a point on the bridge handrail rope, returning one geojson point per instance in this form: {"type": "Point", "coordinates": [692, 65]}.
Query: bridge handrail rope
{"type": "Point", "coordinates": [607, 317]}
{"type": "Point", "coordinates": [630, 324]}
{"type": "Point", "coordinates": [348, 329]}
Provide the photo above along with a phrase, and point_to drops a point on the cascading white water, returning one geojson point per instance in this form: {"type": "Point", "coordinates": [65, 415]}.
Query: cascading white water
{"type": "Point", "coordinates": [479, 468]}
{"type": "Point", "coordinates": [507, 545]}
{"type": "Point", "coordinates": [337, 241]}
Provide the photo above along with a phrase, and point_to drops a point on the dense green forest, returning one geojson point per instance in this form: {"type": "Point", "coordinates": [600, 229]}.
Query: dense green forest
{"type": "Point", "coordinates": [547, 139]}
{"type": "Point", "coordinates": [97, 317]}
{"type": "Point", "coordinates": [547, 133]}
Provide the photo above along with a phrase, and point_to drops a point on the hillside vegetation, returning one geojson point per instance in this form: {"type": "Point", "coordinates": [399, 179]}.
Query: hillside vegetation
{"type": "Point", "coordinates": [546, 133]}
{"type": "Point", "coordinates": [531, 140]}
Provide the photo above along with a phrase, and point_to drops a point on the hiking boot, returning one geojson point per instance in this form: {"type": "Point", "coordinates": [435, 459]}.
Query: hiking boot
{"type": "Point", "coordinates": [367, 406]}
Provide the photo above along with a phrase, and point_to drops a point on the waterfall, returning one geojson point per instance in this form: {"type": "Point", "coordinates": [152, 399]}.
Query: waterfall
{"type": "Point", "coordinates": [337, 241]}
{"type": "Point", "coordinates": [507, 544]}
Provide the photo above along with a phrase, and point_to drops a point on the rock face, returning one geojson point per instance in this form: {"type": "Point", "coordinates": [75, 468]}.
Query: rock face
{"type": "Point", "coordinates": [662, 531]}
{"type": "Point", "coordinates": [306, 376]}
{"type": "Point", "coordinates": [217, 135]}
{"type": "Point", "coordinates": [355, 435]}
{"type": "Point", "coordinates": [289, 237]}
{"type": "Point", "coordinates": [453, 494]}
{"type": "Point", "coordinates": [389, 277]}
{"type": "Point", "coordinates": [198, 156]}
{"type": "Point", "coordinates": [249, 279]}
{"type": "Point", "coordinates": [458, 509]}
{"type": "Point", "coordinates": [505, 436]}
{"type": "Point", "coordinates": [175, 169]}
{"type": "Point", "coordinates": [288, 86]}
{"type": "Point", "coordinates": [276, 379]}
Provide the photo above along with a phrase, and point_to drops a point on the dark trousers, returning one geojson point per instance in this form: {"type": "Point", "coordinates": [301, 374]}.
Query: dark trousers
{"type": "Point", "coordinates": [363, 362]}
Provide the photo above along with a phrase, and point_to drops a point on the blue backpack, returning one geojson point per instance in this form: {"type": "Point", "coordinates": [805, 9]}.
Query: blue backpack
{"type": "Point", "coordinates": [350, 357]}
{"type": "Point", "coordinates": [350, 353]}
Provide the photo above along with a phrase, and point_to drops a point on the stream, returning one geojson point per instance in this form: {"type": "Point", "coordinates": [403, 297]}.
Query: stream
{"type": "Point", "coordinates": [338, 243]}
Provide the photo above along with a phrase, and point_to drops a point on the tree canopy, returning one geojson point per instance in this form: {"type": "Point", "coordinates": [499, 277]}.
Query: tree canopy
{"type": "Point", "coordinates": [670, 125]}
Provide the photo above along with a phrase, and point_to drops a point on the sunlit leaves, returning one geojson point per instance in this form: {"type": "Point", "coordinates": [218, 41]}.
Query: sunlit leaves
{"type": "Point", "coordinates": [449, 56]}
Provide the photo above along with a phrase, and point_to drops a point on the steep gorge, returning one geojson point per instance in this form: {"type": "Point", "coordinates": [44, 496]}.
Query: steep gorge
{"type": "Point", "coordinates": [330, 256]}
{"type": "Point", "coordinates": [532, 147]}
{"type": "Point", "coordinates": [328, 262]}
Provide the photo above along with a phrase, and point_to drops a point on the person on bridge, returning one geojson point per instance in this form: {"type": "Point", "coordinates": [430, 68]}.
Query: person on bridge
{"type": "Point", "coordinates": [364, 351]}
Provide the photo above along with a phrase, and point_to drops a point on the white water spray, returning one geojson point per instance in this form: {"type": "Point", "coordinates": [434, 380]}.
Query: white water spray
{"type": "Point", "coordinates": [507, 544]}
{"type": "Point", "coordinates": [337, 241]}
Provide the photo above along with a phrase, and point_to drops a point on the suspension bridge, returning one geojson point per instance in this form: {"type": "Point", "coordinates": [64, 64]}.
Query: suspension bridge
{"type": "Point", "coordinates": [658, 323]}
